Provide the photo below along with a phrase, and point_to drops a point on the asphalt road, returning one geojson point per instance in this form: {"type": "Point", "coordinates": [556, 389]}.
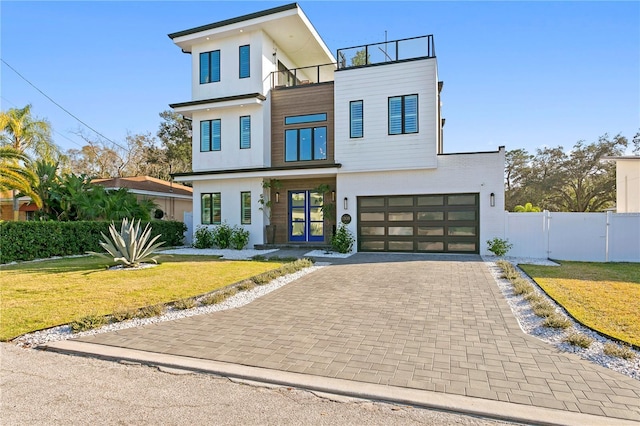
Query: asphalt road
{"type": "Point", "coordinates": [39, 387]}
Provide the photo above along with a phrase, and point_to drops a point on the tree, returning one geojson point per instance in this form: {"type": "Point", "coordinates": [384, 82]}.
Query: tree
{"type": "Point", "coordinates": [27, 135]}
{"type": "Point", "coordinates": [636, 143]}
{"type": "Point", "coordinates": [176, 135]}
{"type": "Point", "coordinates": [360, 58]}
{"type": "Point", "coordinates": [558, 181]}
{"type": "Point", "coordinates": [15, 174]}
{"type": "Point", "coordinates": [527, 208]}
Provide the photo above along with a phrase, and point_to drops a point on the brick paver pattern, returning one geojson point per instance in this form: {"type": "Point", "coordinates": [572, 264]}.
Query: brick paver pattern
{"type": "Point", "coordinates": [424, 322]}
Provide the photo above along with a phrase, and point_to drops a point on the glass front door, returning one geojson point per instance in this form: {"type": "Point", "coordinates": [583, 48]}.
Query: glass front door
{"type": "Point", "coordinates": [306, 219]}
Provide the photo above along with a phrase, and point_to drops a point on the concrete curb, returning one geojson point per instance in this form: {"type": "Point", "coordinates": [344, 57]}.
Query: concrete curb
{"type": "Point", "coordinates": [397, 395]}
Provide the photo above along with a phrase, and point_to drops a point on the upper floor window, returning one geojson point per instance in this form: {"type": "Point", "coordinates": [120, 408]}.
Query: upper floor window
{"type": "Point", "coordinates": [245, 62]}
{"type": "Point", "coordinates": [210, 135]}
{"type": "Point", "coordinates": [209, 67]}
{"type": "Point", "coordinates": [245, 132]}
{"type": "Point", "coordinates": [309, 118]}
{"type": "Point", "coordinates": [211, 208]}
{"type": "Point", "coordinates": [245, 208]}
{"type": "Point", "coordinates": [356, 122]}
{"type": "Point", "coordinates": [306, 144]}
{"type": "Point", "coordinates": [403, 114]}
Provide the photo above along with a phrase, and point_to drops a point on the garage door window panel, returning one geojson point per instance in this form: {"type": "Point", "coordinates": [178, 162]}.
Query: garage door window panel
{"type": "Point", "coordinates": [400, 216]}
{"type": "Point", "coordinates": [372, 230]}
{"type": "Point", "coordinates": [461, 215]}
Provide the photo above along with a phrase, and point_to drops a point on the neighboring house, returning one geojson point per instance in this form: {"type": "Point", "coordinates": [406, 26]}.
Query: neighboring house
{"type": "Point", "coordinates": [26, 210]}
{"type": "Point", "coordinates": [172, 199]}
{"type": "Point", "coordinates": [357, 139]}
{"type": "Point", "coordinates": [627, 183]}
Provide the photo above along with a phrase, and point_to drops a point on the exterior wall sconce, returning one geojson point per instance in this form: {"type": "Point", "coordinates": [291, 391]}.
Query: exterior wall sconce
{"type": "Point", "coordinates": [492, 199]}
{"type": "Point", "coordinates": [346, 203]}
{"type": "Point", "coordinates": [277, 197]}
{"type": "Point", "coordinates": [333, 195]}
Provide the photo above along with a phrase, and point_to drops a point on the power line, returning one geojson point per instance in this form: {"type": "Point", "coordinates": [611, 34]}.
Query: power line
{"type": "Point", "coordinates": [61, 107]}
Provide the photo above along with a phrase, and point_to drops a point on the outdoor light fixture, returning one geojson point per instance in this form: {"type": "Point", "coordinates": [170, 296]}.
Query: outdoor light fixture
{"type": "Point", "coordinates": [346, 203]}
{"type": "Point", "coordinates": [492, 198]}
{"type": "Point", "coordinates": [333, 195]}
{"type": "Point", "coordinates": [277, 197]}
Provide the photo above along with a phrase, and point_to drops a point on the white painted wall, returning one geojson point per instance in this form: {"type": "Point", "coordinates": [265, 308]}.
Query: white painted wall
{"type": "Point", "coordinates": [587, 237]}
{"type": "Point", "coordinates": [230, 83]}
{"type": "Point", "coordinates": [377, 150]}
{"type": "Point", "coordinates": [231, 156]}
{"type": "Point", "coordinates": [628, 185]}
{"type": "Point", "coordinates": [474, 173]}
{"type": "Point", "coordinates": [229, 190]}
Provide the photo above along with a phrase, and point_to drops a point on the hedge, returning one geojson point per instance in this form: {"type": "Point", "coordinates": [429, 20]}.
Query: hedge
{"type": "Point", "coordinates": [40, 240]}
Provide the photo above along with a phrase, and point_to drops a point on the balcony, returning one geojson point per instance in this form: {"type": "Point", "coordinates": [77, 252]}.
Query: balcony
{"type": "Point", "coordinates": [314, 74]}
{"type": "Point", "coordinates": [386, 52]}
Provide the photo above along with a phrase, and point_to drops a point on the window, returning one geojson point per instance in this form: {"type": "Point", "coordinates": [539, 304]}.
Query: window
{"type": "Point", "coordinates": [306, 144]}
{"type": "Point", "coordinates": [356, 125]}
{"type": "Point", "coordinates": [245, 63]}
{"type": "Point", "coordinates": [309, 118]}
{"type": "Point", "coordinates": [210, 135]}
{"type": "Point", "coordinates": [209, 67]}
{"type": "Point", "coordinates": [245, 208]}
{"type": "Point", "coordinates": [211, 208]}
{"type": "Point", "coordinates": [245, 132]}
{"type": "Point", "coordinates": [403, 114]}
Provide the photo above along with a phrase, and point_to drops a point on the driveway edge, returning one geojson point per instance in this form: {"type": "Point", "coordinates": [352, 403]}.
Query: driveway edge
{"type": "Point", "coordinates": [383, 393]}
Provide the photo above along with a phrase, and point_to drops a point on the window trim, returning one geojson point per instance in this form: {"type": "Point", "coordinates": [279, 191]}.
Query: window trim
{"type": "Point", "coordinates": [244, 208]}
{"type": "Point", "coordinates": [403, 115]}
{"type": "Point", "coordinates": [351, 133]}
{"type": "Point", "coordinates": [248, 46]}
{"type": "Point", "coordinates": [211, 219]}
{"type": "Point", "coordinates": [313, 143]}
{"type": "Point", "coordinates": [210, 63]}
{"type": "Point", "coordinates": [241, 134]}
{"type": "Point", "coordinates": [211, 141]}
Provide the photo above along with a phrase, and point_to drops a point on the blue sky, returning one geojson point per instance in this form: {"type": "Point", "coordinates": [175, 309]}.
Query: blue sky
{"type": "Point", "coordinates": [519, 74]}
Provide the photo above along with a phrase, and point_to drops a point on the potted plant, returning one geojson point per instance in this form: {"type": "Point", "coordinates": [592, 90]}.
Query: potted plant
{"type": "Point", "coordinates": [265, 206]}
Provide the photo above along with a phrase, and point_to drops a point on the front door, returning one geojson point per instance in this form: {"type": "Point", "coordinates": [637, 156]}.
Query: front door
{"type": "Point", "coordinates": [306, 219]}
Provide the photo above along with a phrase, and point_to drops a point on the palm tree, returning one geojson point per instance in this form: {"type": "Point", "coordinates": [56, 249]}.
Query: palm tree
{"type": "Point", "coordinates": [16, 176]}
{"type": "Point", "coordinates": [527, 208]}
{"type": "Point", "coordinates": [25, 134]}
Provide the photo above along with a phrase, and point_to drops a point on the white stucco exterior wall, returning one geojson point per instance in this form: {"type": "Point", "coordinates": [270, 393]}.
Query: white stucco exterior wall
{"type": "Point", "coordinates": [481, 173]}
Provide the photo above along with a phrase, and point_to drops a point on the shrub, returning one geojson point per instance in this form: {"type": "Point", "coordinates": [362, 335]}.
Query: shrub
{"type": "Point", "coordinates": [202, 238]}
{"type": "Point", "coordinates": [618, 351]}
{"type": "Point", "coordinates": [521, 286]}
{"type": "Point", "coordinates": [123, 315]}
{"type": "Point", "coordinates": [556, 321]}
{"type": "Point", "coordinates": [577, 339]}
{"type": "Point", "coordinates": [534, 297]}
{"type": "Point", "coordinates": [88, 322]}
{"type": "Point", "coordinates": [246, 285]}
{"type": "Point", "coordinates": [26, 240]}
{"type": "Point", "coordinates": [342, 241]}
{"type": "Point", "coordinates": [150, 311]}
{"type": "Point", "coordinates": [131, 246]}
{"type": "Point", "coordinates": [222, 235]}
{"type": "Point", "coordinates": [182, 304]}
{"type": "Point", "coordinates": [543, 309]}
{"type": "Point", "coordinates": [499, 247]}
{"type": "Point", "coordinates": [239, 238]}
{"type": "Point", "coordinates": [212, 299]}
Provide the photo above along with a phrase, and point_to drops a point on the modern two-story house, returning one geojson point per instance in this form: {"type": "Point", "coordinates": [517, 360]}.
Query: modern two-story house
{"type": "Point", "coordinates": [287, 134]}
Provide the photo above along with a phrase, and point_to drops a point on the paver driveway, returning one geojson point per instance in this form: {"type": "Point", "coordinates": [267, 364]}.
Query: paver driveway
{"type": "Point", "coordinates": [426, 322]}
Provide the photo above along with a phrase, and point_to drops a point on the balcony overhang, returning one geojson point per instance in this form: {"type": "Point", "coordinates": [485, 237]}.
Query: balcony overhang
{"type": "Point", "coordinates": [284, 172]}
{"type": "Point", "coordinates": [188, 108]}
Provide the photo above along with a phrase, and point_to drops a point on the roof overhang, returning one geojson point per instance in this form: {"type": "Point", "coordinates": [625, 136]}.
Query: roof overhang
{"type": "Point", "coordinates": [287, 172]}
{"type": "Point", "coordinates": [187, 108]}
{"type": "Point", "coordinates": [287, 25]}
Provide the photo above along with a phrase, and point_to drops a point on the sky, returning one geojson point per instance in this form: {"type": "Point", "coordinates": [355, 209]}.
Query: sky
{"type": "Point", "coordinates": [519, 74]}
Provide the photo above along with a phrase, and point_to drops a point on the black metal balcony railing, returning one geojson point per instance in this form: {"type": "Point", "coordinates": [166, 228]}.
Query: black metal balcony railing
{"type": "Point", "coordinates": [304, 75]}
{"type": "Point", "coordinates": [387, 51]}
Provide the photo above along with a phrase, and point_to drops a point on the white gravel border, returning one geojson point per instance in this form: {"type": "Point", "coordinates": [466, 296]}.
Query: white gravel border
{"type": "Point", "coordinates": [532, 324]}
{"type": "Point", "coordinates": [241, 298]}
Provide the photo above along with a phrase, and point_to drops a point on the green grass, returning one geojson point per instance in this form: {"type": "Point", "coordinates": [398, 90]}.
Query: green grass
{"type": "Point", "coordinates": [603, 296]}
{"type": "Point", "coordinates": [37, 295]}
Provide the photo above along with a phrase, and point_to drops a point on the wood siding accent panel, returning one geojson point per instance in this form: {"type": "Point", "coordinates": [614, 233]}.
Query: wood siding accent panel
{"type": "Point", "coordinates": [301, 100]}
{"type": "Point", "coordinates": [280, 211]}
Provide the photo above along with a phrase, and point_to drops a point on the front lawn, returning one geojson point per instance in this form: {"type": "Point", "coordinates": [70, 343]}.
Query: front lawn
{"type": "Point", "coordinates": [37, 295]}
{"type": "Point", "coordinates": [603, 296]}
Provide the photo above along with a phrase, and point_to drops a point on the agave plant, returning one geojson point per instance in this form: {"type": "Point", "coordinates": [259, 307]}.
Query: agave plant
{"type": "Point", "coordinates": [130, 246]}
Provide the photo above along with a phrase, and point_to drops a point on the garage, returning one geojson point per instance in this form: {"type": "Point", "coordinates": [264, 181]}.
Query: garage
{"type": "Point", "coordinates": [428, 223]}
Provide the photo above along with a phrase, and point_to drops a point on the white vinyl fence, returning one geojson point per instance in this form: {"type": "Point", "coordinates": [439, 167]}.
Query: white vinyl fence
{"type": "Point", "coordinates": [596, 237]}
